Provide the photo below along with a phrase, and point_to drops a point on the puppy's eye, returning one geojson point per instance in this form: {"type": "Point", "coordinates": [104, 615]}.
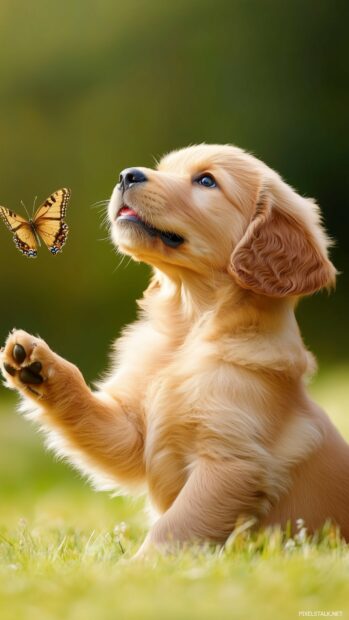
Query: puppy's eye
{"type": "Point", "coordinates": [207, 180]}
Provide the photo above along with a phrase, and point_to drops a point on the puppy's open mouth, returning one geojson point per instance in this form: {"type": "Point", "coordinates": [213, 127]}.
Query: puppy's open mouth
{"type": "Point", "coordinates": [170, 239]}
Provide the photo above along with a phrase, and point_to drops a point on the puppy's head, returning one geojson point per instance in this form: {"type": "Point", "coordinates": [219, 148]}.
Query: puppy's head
{"type": "Point", "coordinates": [216, 208]}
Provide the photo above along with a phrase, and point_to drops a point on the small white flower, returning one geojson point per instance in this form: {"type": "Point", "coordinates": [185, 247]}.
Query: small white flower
{"type": "Point", "coordinates": [290, 544]}
{"type": "Point", "coordinates": [120, 528]}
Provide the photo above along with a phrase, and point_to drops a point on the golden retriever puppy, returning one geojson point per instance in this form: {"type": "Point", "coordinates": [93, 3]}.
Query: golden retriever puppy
{"type": "Point", "coordinates": [206, 407]}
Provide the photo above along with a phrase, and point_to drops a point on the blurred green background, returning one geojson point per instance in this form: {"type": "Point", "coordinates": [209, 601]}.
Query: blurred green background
{"type": "Point", "coordinates": [88, 88]}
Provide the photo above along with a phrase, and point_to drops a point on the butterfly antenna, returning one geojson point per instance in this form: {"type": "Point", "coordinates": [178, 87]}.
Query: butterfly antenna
{"type": "Point", "coordinates": [35, 199]}
{"type": "Point", "coordinates": [26, 210]}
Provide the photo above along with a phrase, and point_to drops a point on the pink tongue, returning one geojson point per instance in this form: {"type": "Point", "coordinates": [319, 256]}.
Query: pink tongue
{"type": "Point", "coordinates": [128, 211]}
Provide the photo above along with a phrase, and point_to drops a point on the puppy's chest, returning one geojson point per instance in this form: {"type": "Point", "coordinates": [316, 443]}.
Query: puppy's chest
{"type": "Point", "coordinates": [173, 411]}
{"type": "Point", "coordinates": [169, 403]}
{"type": "Point", "coordinates": [171, 439]}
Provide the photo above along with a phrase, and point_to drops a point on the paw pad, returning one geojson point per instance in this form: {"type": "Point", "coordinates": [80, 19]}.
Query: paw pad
{"type": "Point", "coordinates": [9, 369]}
{"type": "Point", "coordinates": [29, 374]}
{"type": "Point", "coordinates": [19, 353]}
{"type": "Point", "coordinates": [35, 367]}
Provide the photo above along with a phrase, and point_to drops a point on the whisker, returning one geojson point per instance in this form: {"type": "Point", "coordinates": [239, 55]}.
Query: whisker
{"type": "Point", "coordinates": [122, 258]}
{"type": "Point", "coordinates": [104, 223]}
{"type": "Point", "coordinates": [156, 161]}
{"type": "Point", "coordinates": [100, 203]}
{"type": "Point", "coordinates": [102, 211]}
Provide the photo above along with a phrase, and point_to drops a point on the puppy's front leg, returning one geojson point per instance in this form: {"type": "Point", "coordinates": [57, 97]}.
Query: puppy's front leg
{"type": "Point", "coordinates": [95, 425]}
{"type": "Point", "coordinates": [215, 495]}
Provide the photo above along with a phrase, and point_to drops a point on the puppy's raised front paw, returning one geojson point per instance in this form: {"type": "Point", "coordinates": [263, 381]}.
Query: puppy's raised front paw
{"type": "Point", "coordinates": [26, 363]}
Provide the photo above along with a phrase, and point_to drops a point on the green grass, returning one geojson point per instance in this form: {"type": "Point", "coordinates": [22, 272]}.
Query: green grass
{"type": "Point", "coordinates": [64, 549]}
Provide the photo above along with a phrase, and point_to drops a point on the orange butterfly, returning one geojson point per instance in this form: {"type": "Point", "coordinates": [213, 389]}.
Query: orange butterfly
{"type": "Point", "coordinates": [47, 223]}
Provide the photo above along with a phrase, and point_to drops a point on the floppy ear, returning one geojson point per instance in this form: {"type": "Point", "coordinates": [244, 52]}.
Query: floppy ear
{"type": "Point", "coordinates": [284, 249]}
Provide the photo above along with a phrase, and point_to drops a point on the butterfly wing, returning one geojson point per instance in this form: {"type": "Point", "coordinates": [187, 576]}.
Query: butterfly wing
{"type": "Point", "coordinates": [49, 220]}
{"type": "Point", "coordinates": [22, 232]}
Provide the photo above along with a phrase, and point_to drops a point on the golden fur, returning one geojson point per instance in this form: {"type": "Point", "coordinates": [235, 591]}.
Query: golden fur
{"type": "Point", "coordinates": [206, 407]}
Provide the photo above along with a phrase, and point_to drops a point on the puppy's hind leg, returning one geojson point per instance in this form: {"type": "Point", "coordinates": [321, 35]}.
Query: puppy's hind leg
{"type": "Point", "coordinates": [214, 497]}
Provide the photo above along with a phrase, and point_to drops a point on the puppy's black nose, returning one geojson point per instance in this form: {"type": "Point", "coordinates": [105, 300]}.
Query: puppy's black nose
{"type": "Point", "coordinates": [130, 176]}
